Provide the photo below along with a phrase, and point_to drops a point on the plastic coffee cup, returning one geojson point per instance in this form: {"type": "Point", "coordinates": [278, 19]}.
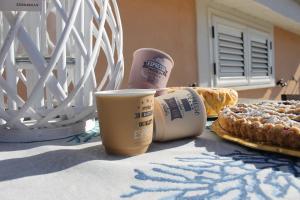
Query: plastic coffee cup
{"type": "Point", "coordinates": [126, 120]}
{"type": "Point", "coordinates": [178, 115]}
{"type": "Point", "coordinates": [151, 68]}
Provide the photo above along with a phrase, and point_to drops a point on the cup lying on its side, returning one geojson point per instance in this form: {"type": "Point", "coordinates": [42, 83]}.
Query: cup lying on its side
{"type": "Point", "coordinates": [151, 68]}
{"type": "Point", "coordinates": [126, 120]}
{"type": "Point", "coordinates": [179, 114]}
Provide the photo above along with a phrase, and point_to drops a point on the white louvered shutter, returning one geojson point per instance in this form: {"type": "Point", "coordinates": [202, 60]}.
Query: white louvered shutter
{"type": "Point", "coordinates": [260, 56]}
{"type": "Point", "coordinates": [230, 51]}
{"type": "Point", "coordinates": [242, 55]}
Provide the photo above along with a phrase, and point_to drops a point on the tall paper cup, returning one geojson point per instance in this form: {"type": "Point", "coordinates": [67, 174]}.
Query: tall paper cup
{"type": "Point", "coordinates": [126, 120]}
{"type": "Point", "coordinates": [150, 68]}
{"type": "Point", "coordinates": [179, 114]}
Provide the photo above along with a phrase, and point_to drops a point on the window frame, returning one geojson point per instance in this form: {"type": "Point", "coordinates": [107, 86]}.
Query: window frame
{"type": "Point", "coordinates": [250, 26]}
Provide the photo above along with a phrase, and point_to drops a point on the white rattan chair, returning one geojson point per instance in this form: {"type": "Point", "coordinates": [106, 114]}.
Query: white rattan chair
{"type": "Point", "coordinates": [48, 65]}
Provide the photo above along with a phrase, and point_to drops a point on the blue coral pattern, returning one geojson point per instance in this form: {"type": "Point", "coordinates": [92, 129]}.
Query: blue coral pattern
{"type": "Point", "coordinates": [239, 174]}
{"type": "Point", "coordinates": [85, 137]}
{"type": "Point", "coordinates": [231, 176]}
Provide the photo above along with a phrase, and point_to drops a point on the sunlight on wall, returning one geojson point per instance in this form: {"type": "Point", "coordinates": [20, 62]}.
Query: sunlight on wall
{"type": "Point", "coordinates": [287, 67]}
{"type": "Point", "coordinates": [267, 95]}
{"type": "Point", "coordinates": [293, 85]}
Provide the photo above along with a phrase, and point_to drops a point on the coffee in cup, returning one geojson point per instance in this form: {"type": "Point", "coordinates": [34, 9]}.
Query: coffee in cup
{"type": "Point", "coordinates": [126, 120]}
{"type": "Point", "coordinates": [151, 68]}
{"type": "Point", "coordinates": [178, 114]}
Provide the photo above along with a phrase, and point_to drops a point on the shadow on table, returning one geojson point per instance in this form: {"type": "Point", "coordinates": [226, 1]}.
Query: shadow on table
{"type": "Point", "coordinates": [63, 141]}
{"type": "Point", "coordinates": [158, 146]}
{"type": "Point", "coordinates": [260, 159]}
{"type": "Point", "coordinates": [53, 161]}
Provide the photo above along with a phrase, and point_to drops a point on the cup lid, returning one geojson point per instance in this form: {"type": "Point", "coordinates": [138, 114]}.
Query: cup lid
{"type": "Point", "coordinates": [155, 50]}
{"type": "Point", "coordinates": [125, 92]}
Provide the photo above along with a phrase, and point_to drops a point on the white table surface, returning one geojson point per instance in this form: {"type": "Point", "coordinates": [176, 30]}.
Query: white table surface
{"type": "Point", "coordinates": [206, 167]}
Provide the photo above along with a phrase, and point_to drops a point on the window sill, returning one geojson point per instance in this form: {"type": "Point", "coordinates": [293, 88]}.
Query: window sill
{"type": "Point", "coordinates": [253, 87]}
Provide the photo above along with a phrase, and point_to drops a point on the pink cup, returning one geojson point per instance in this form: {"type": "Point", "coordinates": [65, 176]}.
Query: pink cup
{"type": "Point", "coordinates": [151, 69]}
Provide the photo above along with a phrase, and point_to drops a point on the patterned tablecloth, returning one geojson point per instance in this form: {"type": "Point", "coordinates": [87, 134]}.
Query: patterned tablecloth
{"type": "Point", "coordinates": [77, 167]}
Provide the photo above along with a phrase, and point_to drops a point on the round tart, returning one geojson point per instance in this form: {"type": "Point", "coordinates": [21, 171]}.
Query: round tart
{"type": "Point", "coordinates": [272, 123]}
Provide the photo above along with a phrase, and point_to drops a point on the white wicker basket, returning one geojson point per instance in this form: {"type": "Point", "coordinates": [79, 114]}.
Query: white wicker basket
{"type": "Point", "coordinates": [48, 65]}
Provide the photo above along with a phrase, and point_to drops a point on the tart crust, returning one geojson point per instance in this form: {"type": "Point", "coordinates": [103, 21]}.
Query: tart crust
{"type": "Point", "coordinates": [270, 123]}
{"type": "Point", "coordinates": [224, 134]}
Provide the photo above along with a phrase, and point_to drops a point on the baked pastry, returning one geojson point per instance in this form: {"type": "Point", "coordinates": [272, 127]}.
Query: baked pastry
{"type": "Point", "coordinates": [271, 123]}
{"type": "Point", "coordinates": [215, 99]}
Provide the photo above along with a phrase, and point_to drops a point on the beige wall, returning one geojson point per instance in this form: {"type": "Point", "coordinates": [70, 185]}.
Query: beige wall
{"type": "Point", "coordinates": [168, 25]}
{"type": "Point", "coordinates": [287, 66]}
